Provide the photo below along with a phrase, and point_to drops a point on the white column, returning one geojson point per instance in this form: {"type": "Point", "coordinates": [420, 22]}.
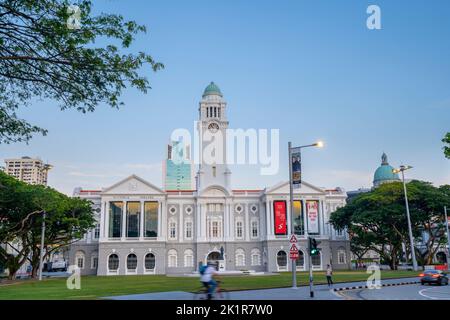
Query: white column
{"type": "Point", "coordinates": [203, 222]}
{"type": "Point", "coordinates": [247, 223]}
{"type": "Point", "coordinates": [103, 221]}
{"type": "Point", "coordinates": [268, 213]}
{"type": "Point", "coordinates": [124, 220]}
{"type": "Point", "coordinates": [181, 228]}
{"type": "Point", "coordinates": [106, 219]}
{"type": "Point", "coordinates": [164, 221]}
{"type": "Point", "coordinates": [197, 221]}
{"type": "Point", "coordinates": [141, 222]}
{"type": "Point", "coordinates": [226, 218]}
{"type": "Point", "coordinates": [305, 218]}
{"type": "Point", "coordinates": [159, 224]}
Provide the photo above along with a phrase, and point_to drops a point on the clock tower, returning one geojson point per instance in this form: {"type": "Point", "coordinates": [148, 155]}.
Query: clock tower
{"type": "Point", "coordinates": [212, 127]}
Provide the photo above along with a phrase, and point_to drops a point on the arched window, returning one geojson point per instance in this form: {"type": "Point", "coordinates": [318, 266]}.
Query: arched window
{"type": "Point", "coordinates": [239, 229]}
{"type": "Point", "coordinates": [79, 259]}
{"type": "Point", "coordinates": [94, 260]}
{"type": "Point", "coordinates": [188, 258]}
{"type": "Point", "coordinates": [256, 257]}
{"type": "Point", "coordinates": [150, 262]}
{"type": "Point", "coordinates": [113, 262]}
{"type": "Point", "coordinates": [131, 262]}
{"type": "Point", "coordinates": [172, 258]}
{"type": "Point", "coordinates": [240, 258]}
{"type": "Point", "coordinates": [300, 263]}
{"type": "Point", "coordinates": [317, 261]}
{"type": "Point", "coordinates": [282, 260]}
{"type": "Point", "coordinates": [342, 257]}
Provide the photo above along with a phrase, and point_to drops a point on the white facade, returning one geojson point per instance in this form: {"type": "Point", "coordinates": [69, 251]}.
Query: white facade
{"type": "Point", "coordinates": [146, 230]}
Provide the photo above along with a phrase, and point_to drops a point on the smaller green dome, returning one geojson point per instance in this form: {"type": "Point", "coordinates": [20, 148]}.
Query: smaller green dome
{"type": "Point", "coordinates": [212, 89]}
{"type": "Point", "coordinates": [384, 173]}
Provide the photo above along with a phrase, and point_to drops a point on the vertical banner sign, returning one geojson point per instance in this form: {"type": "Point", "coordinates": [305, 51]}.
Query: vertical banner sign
{"type": "Point", "coordinates": [279, 209]}
{"type": "Point", "coordinates": [296, 167]}
{"type": "Point", "coordinates": [312, 211]}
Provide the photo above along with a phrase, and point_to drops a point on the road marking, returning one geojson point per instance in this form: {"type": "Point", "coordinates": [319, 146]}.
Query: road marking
{"type": "Point", "coordinates": [422, 293]}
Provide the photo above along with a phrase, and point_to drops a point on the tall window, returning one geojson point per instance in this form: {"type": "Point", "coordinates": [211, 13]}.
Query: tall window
{"type": "Point", "coordinates": [282, 259]}
{"type": "Point", "coordinates": [239, 229]}
{"type": "Point", "coordinates": [342, 259]}
{"type": "Point", "coordinates": [256, 257]}
{"type": "Point", "coordinates": [215, 229]}
{"type": "Point", "coordinates": [300, 263]}
{"type": "Point", "coordinates": [316, 261]}
{"type": "Point", "coordinates": [298, 218]}
{"type": "Point", "coordinates": [151, 219]}
{"type": "Point", "coordinates": [80, 259]}
{"type": "Point", "coordinates": [188, 229]}
{"type": "Point", "coordinates": [113, 262]}
{"type": "Point", "coordinates": [97, 231]}
{"type": "Point", "coordinates": [94, 261]}
{"type": "Point", "coordinates": [115, 219]}
{"type": "Point", "coordinates": [254, 229]}
{"type": "Point", "coordinates": [172, 258]}
{"type": "Point", "coordinates": [133, 214]}
{"type": "Point", "coordinates": [214, 171]}
{"type": "Point", "coordinates": [131, 262]}
{"type": "Point", "coordinates": [150, 262]}
{"type": "Point", "coordinates": [172, 230]}
{"type": "Point", "coordinates": [189, 258]}
{"type": "Point", "coordinates": [218, 110]}
{"type": "Point", "coordinates": [240, 258]}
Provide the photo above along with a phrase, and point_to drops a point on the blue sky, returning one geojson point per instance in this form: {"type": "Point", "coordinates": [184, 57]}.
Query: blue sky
{"type": "Point", "coordinates": [310, 68]}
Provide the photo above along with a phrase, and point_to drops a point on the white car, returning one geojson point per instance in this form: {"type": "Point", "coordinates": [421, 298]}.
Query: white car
{"type": "Point", "coordinates": [59, 265]}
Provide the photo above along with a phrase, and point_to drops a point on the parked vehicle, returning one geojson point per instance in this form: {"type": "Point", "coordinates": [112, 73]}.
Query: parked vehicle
{"type": "Point", "coordinates": [59, 266]}
{"type": "Point", "coordinates": [434, 276]}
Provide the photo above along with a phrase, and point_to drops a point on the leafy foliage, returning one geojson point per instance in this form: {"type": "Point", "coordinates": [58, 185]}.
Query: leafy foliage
{"type": "Point", "coordinates": [446, 140]}
{"type": "Point", "coordinates": [41, 57]}
{"type": "Point", "coordinates": [22, 208]}
{"type": "Point", "coordinates": [377, 221]}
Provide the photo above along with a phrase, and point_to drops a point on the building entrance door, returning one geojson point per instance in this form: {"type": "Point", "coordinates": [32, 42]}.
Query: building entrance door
{"type": "Point", "coordinates": [214, 259]}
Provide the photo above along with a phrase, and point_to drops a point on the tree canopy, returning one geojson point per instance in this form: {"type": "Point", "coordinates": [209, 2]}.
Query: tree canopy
{"type": "Point", "coordinates": [48, 51]}
{"type": "Point", "coordinates": [446, 140]}
{"type": "Point", "coordinates": [376, 220]}
{"type": "Point", "coordinates": [21, 212]}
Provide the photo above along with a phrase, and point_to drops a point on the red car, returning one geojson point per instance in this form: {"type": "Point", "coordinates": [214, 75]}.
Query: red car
{"type": "Point", "coordinates": [434, 276]}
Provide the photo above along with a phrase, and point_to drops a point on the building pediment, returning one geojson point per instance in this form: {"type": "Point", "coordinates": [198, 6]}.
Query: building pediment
{"type": "Point", "coordinates": [133, 185]}
{"type": "Point", "coordinates": [214, 192]}
{"type": "Point", "coordinates": [305, 188]}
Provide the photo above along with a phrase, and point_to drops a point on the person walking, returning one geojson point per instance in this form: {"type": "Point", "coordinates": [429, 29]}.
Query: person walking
{"type": "Point", "coordinates": [329, 276]}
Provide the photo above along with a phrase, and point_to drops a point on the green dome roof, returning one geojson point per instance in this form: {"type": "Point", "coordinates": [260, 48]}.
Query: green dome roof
{"type": "Point", "coordinates": [211, 89]}
{"type": "Point", "coordinates": [384, 172]}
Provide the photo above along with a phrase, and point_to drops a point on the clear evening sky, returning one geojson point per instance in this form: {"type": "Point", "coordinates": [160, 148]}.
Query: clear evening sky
{"type": "Point", "coordinates": [310, 68]}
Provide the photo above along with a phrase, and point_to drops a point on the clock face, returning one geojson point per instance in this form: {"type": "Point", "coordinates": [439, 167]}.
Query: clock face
{"type": "Point", "coordinates": [213, 127]}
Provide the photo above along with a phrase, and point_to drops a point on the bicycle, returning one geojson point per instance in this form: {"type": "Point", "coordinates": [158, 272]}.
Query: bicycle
{"type": "Point", "coordinates": [219, 294]}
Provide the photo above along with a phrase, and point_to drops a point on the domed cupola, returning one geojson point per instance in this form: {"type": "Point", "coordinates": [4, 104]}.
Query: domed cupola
{"type": "Point", "coordinates": [212, 89]}
{"type": "Point", "coordinates": [384, 173]}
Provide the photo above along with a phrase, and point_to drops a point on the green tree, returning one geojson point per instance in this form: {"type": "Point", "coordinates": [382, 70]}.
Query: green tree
{"type": "Point", "coordinates": [377, 220]}
{"type": "Point", "coordinates": [44, 55]}
{"type": "Point", "coordinates": [21, 211]}
{"type": "Point", "coordinates": [446, 140]}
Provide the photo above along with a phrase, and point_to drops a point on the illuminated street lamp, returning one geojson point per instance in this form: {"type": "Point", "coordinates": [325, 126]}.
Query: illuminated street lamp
{"type": "Point", "coordinates": [318, 144]}
{"type": "Point", "coordinates": [402, 169]}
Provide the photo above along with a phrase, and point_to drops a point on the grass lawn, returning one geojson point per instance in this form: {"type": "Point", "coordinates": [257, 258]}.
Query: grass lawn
{"type": "Point", "coordinates": [93, 287]}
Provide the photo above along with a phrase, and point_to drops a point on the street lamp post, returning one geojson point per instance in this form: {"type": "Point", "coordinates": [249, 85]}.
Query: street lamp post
{"type": "Point", "coordinates": [291, 202]}
{"type": "Point", "coordinates": [402, 169]}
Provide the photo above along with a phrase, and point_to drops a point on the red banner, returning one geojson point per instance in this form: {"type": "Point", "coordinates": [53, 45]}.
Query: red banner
{"type": "Point", "coordinates": [279, 209]}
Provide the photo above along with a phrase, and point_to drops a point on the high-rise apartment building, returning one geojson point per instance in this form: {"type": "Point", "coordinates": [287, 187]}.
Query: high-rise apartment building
{"type": "Point", "coordinates": [29, 170]}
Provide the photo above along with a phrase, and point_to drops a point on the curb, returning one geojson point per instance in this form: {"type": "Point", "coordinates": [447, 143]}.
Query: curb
{"type": "Point", "coordinates": [383, 285]}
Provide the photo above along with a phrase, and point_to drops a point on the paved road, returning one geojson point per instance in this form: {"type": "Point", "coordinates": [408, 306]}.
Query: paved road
{"type": "Point", "coordinates": [406, 292]}
{"type": "Point", "coordinates": [321, 292]}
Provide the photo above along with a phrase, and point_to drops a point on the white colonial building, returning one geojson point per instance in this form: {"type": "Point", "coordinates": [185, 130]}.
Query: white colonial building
{"type": "Point", "coordinates": [143, 229]}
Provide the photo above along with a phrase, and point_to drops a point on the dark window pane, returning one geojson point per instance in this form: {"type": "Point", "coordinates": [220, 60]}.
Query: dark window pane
{"type": "Point", "coordinates": [133, 214]}
{"type": "Point", "coordinates": [115, 219]}
{"type": "Point", "coordinates": [151, 219]}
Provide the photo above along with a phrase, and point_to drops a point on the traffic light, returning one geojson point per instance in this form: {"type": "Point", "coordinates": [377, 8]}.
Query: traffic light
{"type": "Point", "coordinates": [313, 250]}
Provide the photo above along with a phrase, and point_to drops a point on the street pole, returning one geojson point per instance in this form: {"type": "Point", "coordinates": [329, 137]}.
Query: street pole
{"type": "Point", "coordinates": [448, 237]}
{"type": "Point", "coordinates": [42, 248]}
{"type": "Point", "coordinates": [291, 205]}
{"type": "Point", "coordinates": [411, 239]}
{"type": "Point", "coordinates": [311, 284]}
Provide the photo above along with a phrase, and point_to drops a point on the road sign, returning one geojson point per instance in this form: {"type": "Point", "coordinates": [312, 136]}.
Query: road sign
{"type": "Point", "coordinates": [293, 252]}
{"type": "Point", "coordinates": [293, 239]}
{"type": "Point", "coordinates": [293, 247]}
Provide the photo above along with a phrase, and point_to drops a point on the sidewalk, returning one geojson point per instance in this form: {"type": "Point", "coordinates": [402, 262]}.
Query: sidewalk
{"type": "Point", "coordinates": [321, 292]}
